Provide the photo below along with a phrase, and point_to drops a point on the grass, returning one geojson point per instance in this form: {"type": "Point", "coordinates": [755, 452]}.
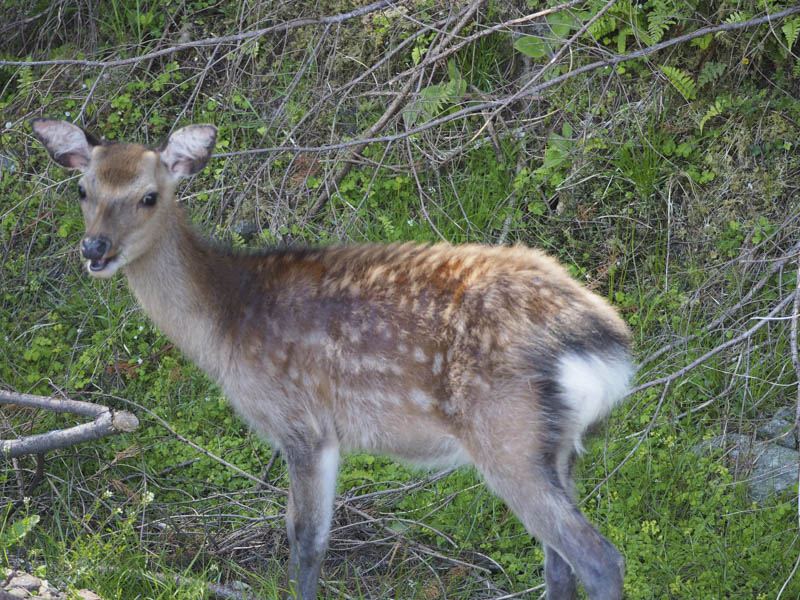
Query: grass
{"type": "Point", "coordinates": [673, 217]}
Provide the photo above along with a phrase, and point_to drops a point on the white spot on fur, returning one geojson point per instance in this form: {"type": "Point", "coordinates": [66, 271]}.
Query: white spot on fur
{"type": "Point", "coordinates": [420, 398]}
{"type": "Point", "coordinates": [438, 359]}
{"type": "Point", "coordinates": [293, 373]}
{"type": "Point", "coordinates": [402, 348]}
{"type": "Point", "coordinates": [419, 354]}
{"type": "Point", "coordinates": [354, 335]}
{"type": "Point", "coordinates": [593, 385]}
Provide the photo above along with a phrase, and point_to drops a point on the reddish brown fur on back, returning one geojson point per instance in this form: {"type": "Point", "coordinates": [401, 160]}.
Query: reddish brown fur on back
{"type": "Point", "coordinates": [449, 319]}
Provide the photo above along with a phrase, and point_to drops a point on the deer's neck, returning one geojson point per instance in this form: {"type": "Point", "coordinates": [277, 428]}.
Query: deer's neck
{"type": "Point", "coordinates": [183, 285]}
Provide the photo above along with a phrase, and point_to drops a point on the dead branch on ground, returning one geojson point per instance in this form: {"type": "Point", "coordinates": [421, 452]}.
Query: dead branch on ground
{"type": "Point", "coordinates": [106, 422]}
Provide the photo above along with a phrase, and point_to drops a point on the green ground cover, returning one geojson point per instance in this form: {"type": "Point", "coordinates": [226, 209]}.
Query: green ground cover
{"type": "Point", "coordinates": [667, 182]}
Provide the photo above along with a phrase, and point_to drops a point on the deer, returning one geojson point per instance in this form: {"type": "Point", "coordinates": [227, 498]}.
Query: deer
{"type": "Point", "coordinates": [438, 355]}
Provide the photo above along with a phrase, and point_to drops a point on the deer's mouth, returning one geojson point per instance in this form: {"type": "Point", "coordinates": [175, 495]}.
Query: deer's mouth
{"type": "Point", "coordinates": [103, 267]}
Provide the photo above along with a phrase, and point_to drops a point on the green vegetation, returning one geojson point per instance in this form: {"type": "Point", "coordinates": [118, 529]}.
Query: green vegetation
{"type": "Point", "coordinates": [668, 182]}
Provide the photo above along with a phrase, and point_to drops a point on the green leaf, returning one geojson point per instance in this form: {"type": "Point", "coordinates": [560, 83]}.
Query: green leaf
{"type": "Point", "coordinates": [791, 29]}
{"type": "Point", "coordinates": [681, 80]}
{"type": "Point", "coordinates": [539, 47]}
{"type": "Point", "coordinates": [658, 25]}
{"type": "Point", "coordinates": [720, 106]}
{"type": "Point", "coordinates": [711, 71]}
{"type": "Point", "coordinates": [602, 27]}
{"type": "Point", "coordinates": [737, 16]}
{"type": "Point", "coordinates": [18, 530]}
{"type": "Point", "coordinates": [561, 23]}
{"type": "Point", "coordinates": [532, 46]}
{"type": "Point", "coordinates": [703, 42]}
{"type": "Point", "coordinates": [622, 38]}
{"type": "Point", "coordinates": [556, 151]}
{"type": "Point", "coordinates": [684, 149]}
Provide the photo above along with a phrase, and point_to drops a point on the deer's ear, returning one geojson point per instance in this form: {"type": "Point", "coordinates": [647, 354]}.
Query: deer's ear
{"type": "Point", "coordinates": [67, 144]}
{"type": "Point", "coordinates": [187, 150]}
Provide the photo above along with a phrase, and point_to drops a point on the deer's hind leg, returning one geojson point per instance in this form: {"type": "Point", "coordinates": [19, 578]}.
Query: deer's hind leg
{"type": "Point", "coordinates": [521, 455]}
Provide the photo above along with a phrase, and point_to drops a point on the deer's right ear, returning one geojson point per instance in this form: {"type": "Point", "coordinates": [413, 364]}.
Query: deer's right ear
{"type": "Point", "coordinates": [187, 150]}
{"type": "Point", "coordinates": [66, 143]}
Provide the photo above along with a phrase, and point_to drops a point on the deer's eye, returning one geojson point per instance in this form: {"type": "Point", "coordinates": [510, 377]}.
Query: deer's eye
{"type": "Point", "coordinates": [81, 192]}
{"type": "Point", "coordinates": [149, 199]}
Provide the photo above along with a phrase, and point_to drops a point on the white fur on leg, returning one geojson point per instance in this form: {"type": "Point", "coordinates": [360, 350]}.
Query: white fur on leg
{"type": "Point", "coordinates": [329, 468]}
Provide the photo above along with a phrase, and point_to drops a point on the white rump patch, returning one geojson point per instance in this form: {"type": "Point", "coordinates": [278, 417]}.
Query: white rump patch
{"type": "Point", "coordinates": [593, 384]}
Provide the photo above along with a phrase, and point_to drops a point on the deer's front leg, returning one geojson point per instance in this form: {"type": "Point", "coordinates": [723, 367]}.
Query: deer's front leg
{"type": "Point", "coordinates": [312, 485]}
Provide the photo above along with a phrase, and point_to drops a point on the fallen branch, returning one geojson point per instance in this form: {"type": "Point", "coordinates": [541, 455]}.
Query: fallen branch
{"type": "Point", "coordinates": [106, 422]}
{"type": "Point", "coordinates": [776, 266]}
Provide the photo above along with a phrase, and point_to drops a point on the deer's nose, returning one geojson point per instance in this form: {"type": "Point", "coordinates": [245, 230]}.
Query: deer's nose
{"type": "Point", "coordinates": [95, 247]}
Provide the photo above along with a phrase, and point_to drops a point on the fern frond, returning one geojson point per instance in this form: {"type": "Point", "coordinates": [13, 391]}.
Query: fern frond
{"type": "Point", "coordinates": [791, 29]}
{"type": "Point", "coordinates": [622, 38]}
{"type": "Point", "coordinates": [681, 80]}
{"type": "Point", "coordinates": [602, 27]}
{"type": "Point", "coordinates": [25, 79]}
{"type": "Point", "coordinates": [720, 105]}
{"type": "Point", "coordinates": [658, 26]}
{"type": "Point", "coordinates": [388, 226]}
{"type": "Point", "coordinates": [711, 71]}
{"type": "Point", "coordinates": [737, 16]}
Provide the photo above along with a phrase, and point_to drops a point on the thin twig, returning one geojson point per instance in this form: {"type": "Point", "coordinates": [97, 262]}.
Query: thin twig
{"type": "Point", "coordinates": [732, 342]}
{"type": "Point", "coordinates": [214, 41]}
{"type": "Point", "coordinates": [796, 364]}
{"type": "Point", "coordinates": [550, 63]}
{"type": "Point", "coordinates": [391, 111]}
{"type": "Point", "coordinates": [532, 91]}
{"type": "Point", "coordinates": [754, 289]}
{"type": "Point", "coordinates": [433, 57]}
{"type": "Point", "coordinates": [202, 450]}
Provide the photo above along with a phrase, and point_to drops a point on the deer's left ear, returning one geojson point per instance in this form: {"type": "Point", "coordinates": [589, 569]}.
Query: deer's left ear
{"type": "Point", "coordinates": [187, 150]}
{"type": "Point", "coordinates": [67, 144]}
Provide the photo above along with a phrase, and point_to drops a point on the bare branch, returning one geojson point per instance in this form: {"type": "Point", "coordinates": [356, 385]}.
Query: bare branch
{"type": "Point", "coordinates": [392, 110]}
{"type": "Point", "coordinates": [106, 422]}
{"type": "Point", "coordinates": [531, 91]}
{"type": "Point", "coordinates": [774, 268]}
{"type": "Point", "coordinates": [433, 57]}
{"type": "Point", "coordinates": [796, 364]}
{"type": "Point", "coordinates": [214, 41]}
{"type": "Point", "coordinates": [732, 342]}
{"type": "Point", "coordinates": [59, 405]}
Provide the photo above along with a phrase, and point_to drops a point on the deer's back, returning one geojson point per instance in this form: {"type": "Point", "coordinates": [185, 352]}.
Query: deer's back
{"type": "Point", "coordinates": [366, 340]}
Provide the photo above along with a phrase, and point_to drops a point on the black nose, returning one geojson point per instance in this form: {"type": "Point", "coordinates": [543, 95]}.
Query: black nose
{"type": "Point", "coordinates": [95, 247]}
